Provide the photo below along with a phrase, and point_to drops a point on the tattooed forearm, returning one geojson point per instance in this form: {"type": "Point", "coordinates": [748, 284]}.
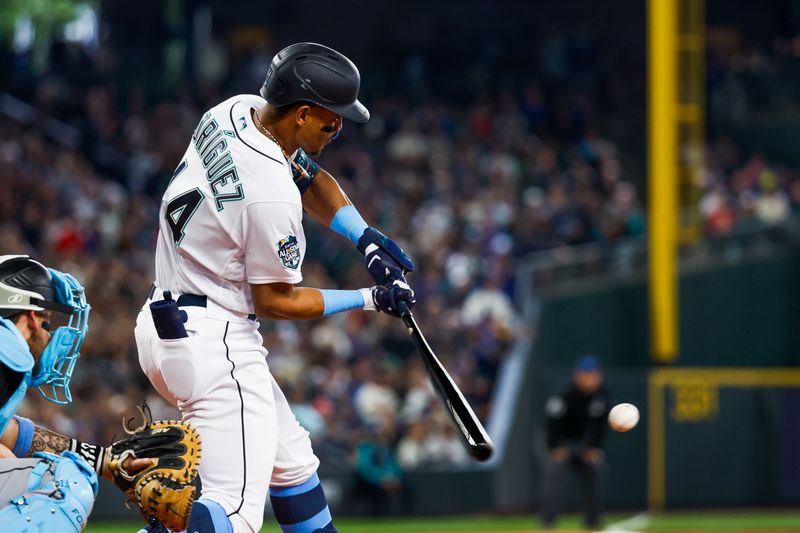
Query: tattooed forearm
{"type": "Point", "coordinates": [45, 440]}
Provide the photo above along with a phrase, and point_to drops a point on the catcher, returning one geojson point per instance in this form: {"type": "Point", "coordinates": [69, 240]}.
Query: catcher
{"type": "Point", "coordinates": [51, 480]}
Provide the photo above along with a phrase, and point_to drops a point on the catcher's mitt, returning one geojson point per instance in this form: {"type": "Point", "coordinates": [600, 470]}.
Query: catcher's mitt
{"type": "Point", "coordinates": [165, 490]}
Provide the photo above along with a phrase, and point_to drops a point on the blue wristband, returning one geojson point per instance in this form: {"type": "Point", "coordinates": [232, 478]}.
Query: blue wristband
{"type": "Point", "coordinates": [24, 437]}
{"type": "Point", "coordinates": [337, 301]}
{"type": "Point", "coordinates": [348, 222]}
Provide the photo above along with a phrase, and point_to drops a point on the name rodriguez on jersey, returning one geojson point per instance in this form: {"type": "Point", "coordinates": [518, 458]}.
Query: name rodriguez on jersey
{"type": "Point", "coordinates": [212, 148]}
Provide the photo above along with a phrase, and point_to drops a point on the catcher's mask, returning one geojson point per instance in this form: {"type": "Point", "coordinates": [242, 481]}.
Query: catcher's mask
{"type": "Point", "coordinates": [25, 285]}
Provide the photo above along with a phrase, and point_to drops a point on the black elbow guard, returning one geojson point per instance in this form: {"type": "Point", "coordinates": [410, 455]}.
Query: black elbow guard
{"type": "Point", "coordinates": [303, 170]}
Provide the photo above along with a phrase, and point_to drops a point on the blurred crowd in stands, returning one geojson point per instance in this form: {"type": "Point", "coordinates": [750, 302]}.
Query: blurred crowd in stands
{"type": "Point", "coordinates": [744, 194]}
{"type": "Point", "coordinates": [467, 190]}
{"type": "Point", "coordinates": [752, 78]}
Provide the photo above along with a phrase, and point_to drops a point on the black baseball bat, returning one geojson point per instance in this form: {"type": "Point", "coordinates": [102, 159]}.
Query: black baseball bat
{"type": "Point", "coordinates": [472, 432]}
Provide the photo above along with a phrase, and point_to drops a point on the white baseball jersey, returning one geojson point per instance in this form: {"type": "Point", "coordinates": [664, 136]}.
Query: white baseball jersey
{"type": "Point", "coordinates": [232, 215]}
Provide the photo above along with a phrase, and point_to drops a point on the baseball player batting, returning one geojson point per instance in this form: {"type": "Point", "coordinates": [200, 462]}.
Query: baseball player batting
{"type": "Point", "coordinates": [230, 250]}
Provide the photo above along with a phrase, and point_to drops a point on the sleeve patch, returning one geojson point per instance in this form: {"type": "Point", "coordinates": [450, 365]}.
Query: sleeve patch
{"type": "Point", "coordinates": [289, 252]}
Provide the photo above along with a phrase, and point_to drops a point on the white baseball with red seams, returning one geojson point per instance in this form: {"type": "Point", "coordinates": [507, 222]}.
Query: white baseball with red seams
{"type": "Point", "coordinates": [623, 417]}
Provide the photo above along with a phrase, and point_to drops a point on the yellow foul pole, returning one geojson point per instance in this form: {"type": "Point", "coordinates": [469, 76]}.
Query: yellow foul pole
{"type": "Point", "coordinates": [663, 161]}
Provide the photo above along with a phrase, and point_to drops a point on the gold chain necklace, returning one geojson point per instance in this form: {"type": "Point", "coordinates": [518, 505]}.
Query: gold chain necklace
{"type": "Point", "coordinates": [303, 172]}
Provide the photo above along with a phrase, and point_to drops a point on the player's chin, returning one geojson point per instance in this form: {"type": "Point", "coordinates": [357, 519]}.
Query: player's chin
{"type": "Point", "coordinates": [314, 151]}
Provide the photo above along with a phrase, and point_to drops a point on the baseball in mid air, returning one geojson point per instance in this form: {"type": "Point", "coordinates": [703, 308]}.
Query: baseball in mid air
{"type": "Point", "coordinates": [623, 417]}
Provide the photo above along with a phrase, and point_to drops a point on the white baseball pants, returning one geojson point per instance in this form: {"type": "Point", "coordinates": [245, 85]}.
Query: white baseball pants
{"type": "Point", "coordinates": [219, 379]}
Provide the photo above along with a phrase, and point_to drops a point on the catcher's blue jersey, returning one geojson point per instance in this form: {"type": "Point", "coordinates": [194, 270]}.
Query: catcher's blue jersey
{"type": "Point", "coordinates": [16, 357]}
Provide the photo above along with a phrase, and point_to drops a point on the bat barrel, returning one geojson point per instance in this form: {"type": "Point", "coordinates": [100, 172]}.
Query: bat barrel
{"type": "Point", "coordinates": [474, 436]}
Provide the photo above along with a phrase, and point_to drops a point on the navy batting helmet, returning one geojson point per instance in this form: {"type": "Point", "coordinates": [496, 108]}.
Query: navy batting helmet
{"type": "Point", "coordinates": [310, 72]}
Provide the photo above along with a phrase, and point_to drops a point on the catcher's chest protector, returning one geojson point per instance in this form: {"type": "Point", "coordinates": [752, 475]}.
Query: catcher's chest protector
{"type": "Point", "coordinates": [53, 493]}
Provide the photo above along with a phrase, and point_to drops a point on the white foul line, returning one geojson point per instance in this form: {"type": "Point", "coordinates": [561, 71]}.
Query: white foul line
{"type": "Point", "coordinates": [636, 523]}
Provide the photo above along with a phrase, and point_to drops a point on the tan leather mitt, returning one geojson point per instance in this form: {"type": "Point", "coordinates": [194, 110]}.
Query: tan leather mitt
{"type": "Point", "coordinates": [165, 490]}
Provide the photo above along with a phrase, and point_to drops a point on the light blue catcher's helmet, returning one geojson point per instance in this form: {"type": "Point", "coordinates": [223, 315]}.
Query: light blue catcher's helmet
{"type": "Point", "coordinates": [26, 284]}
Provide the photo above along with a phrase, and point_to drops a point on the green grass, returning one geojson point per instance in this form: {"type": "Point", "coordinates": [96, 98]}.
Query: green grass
{"type": "Point", "coordinates": [749, 522]}
{"type": "Point", "coordinates": [730, 521]}
{"type": "Point", "coordinates": [394, 525]}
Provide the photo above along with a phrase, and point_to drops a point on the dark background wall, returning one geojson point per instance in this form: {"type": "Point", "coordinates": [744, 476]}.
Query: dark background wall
{"type": "Point", "coordinates": [734, 313]}
{"type": "Point", "coordinates": [743, 314]}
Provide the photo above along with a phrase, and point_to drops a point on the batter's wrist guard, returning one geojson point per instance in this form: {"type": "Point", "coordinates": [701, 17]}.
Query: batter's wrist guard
{"type": "Point", "coordinates": [349, 223]}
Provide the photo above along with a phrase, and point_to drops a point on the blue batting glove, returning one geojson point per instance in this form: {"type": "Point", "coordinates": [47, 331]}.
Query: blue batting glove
{"type": "Point", "coordinates": [385, 260]}
{"type": "Point", "coordinates": [386, 299]}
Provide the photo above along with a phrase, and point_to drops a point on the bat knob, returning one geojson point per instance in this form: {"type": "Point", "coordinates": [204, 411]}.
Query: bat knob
{"type": "Point", "coordinates": [481, 451]}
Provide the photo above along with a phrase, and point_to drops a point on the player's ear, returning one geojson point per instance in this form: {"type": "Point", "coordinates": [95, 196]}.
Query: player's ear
{"type": "Point", "coordinates": [30, 316]}
{"type": "Point", "coordinates": [302, 114]}
{"type": "Point", "coordinates": [35, 325]}
{"type": "Point", "coordinates": [26, 320]}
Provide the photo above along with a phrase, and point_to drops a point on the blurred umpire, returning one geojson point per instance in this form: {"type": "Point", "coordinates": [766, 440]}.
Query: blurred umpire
{"type": "Point", "coordinates": [576, 422]}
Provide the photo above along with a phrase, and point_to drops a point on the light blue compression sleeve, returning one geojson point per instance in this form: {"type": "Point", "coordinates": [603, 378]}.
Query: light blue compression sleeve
{"type": "Point", "coordinates": [337, 301]}
{"type": "Point", "coordinates": [348, 223]}
{"type": "Point", "coordinates": [24, 437]}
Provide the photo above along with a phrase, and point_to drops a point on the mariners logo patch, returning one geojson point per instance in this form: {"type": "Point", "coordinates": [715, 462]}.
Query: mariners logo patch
{"type": "Point", "coordinates": [289, 252]}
